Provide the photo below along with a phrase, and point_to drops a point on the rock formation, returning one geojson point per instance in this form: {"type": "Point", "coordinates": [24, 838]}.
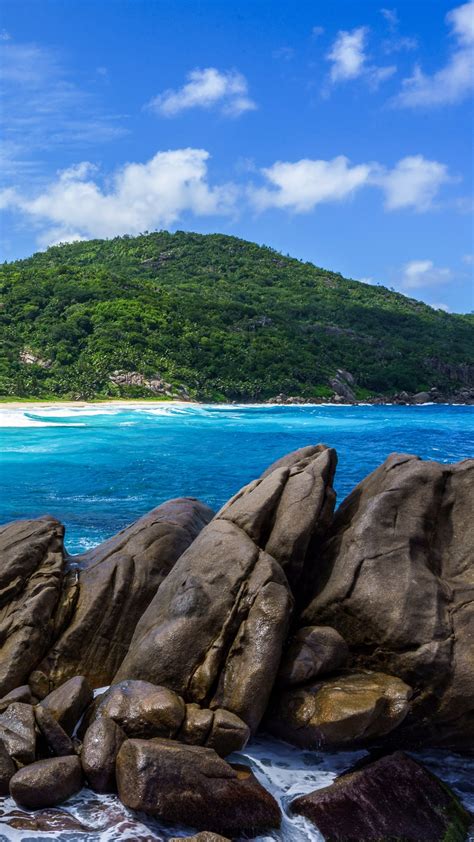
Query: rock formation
{"type": "Point", "coordinates": [215, 630]}
{"type": "Point", "coordinates": [107, 590]}
{"type": "Point", "coordinates": [396, 580]}
{"type": "Point", "coordinates": [346, 630]}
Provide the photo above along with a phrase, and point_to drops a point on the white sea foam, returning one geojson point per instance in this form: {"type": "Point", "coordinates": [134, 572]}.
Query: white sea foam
{"type": "Point", "coordinates": [285, 771]}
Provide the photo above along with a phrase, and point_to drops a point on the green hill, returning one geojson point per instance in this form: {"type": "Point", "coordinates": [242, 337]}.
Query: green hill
{"type": "Point", "coordinates": [223, 317]}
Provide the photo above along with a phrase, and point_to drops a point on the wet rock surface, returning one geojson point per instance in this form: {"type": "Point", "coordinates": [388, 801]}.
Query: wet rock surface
{"type": "Point", "coordinates": [68, 702]}
{"type": "Point", "coordinates": [17, 732]}
{"type": "Point", "coordinates": [58, 742]}
{"type": "Point", "coordinates": [197, 787]}
{"type": "Point", "coordinates": [393, 798]}
{"type": "Point", "coordinates": [101, 745]}
{"type": "Point", "coordinates": [46, 783]}
{"type": "Point", "coordinates": [351, 709]}
{"type": "Point", "coordinates": [7, 769]}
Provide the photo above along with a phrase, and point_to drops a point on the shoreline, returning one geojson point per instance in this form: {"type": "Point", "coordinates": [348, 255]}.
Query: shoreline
{"type": "Point", "coordinates": [144, 403]}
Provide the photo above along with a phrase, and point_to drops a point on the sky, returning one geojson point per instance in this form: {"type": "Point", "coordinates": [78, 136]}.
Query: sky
{"type": "Point", "coordinates": [339, 133]}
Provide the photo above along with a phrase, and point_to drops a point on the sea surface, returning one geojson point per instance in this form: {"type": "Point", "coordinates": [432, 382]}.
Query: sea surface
{"type": "Point", "coordinates": [99, 468]}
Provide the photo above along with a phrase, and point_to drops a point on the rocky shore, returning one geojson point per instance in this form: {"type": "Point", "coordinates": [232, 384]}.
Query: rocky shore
{"type": "Point", "coordinates": [141, 666]}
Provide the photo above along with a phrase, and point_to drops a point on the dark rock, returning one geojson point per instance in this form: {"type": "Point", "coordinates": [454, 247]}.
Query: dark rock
{"type": "Point", "coordinates": [228, 733]}
{"type": "Point", "coordinates": [339, 711]}
{"type": "Point", "coordinates": [393, 798]}
{"type": "Point", "coordinates": [197, 788]}
{"type": "Point", "coordinates": [421, 397]}
{"type": "Point", "coordinates": [101, 745]}
{"type": "Point", "coordinates": [58, 741]}
{"type": "Point", "coordinates": [46, 783]}
{"type": "Point", "coordinates": [196, 726]}
{"type": "Point", "coordinates": [7, 769]}
{"type": "Point", "coordinates": [108, 590]}
{"type": "Point", "coordinates": [215, 629]}
{"type": "Point", "coordinates": [205, 836]}
{"type": "Point", "coordinates": [17, 732]}
{"type": "Point", "coordinates": [68, 702]}
{"type": "Point", "coordinates": [342, 384]}
{"type": "Point", "coordinates": [30, 582]}
{"type": "Point", "coordinates": [312, 651]}
{"type": "Point", "coordinates": [20, 694]}
{"type": "Point", "coordinates": [143, 709]}
{"type": "Point", "coordinates": [396, 579]}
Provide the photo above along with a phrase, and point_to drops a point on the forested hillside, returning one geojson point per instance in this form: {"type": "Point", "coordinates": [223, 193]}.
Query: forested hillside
{"type": "Point", "coordinates": [221, 317]}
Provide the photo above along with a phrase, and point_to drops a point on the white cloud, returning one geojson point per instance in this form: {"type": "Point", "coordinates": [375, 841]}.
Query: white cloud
{"type": "Point", "coordinates": [391, 17]}
{"type": "Point", "coordinates": [301, 185]}
{"type": "Point", "coordinates": [412, 183]}
{"type": "Point", "coordinates": [349, 59]}
{"type": "Point", "coordinates": [141, 196]}
{"type": "Point", "coordinates": [453, 82]}
{"type": "Point", "coordinates": [348, 54]}
{"type": "Point", "coordinates": [423, 273]}
{"type": "Point", "coordinates": [468, 259]}
{"type": "Point", "coordinates": [439, 305]}
{"type": "Point", "coordinates": [205, 89]}
{"type": "Point", "coordinates": [396, 43]}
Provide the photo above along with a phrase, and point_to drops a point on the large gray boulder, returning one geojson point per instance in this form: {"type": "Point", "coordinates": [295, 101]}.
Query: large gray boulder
{"type": "Point", "coordinates": [214, 632]}
{"type": "Point", "coordinates": [108, 589]}
{"type": "Point", "coordinates": [396, 580]}
{"type": "Point", "coordinates": [31, 574]}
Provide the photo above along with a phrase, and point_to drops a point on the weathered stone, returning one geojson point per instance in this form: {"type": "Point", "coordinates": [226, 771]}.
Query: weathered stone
{"type": "Point", "coordinates": [196, 726]}
{"type": "Point", "coordinates": [396, 579]}
{"type": "Point", "coordinates": [58, 741]}
{"type": "Point", "coordinates": [7, 769]}
{"type": "Point", "coordinates": [30, 582]}
{"type": "Point", "coordinates": [108, 589]}
{"type": "Point", "coordinates": [143, 709]}
{"type": "Point", "coordinates": [215, 629]}
{"type": "Point", "coordinates": [205, 836]}
{"type": "Point", "coordinates": [393, 798]}
{"type": "Point", "coordinates": [228, 733]}
{"type": "Point", "coordinates": [312, 651]}
{"type": "Point", "coordinates": [20, 694]}
{"type": "Point", "coordinates": [101, 745]}
{"type": "Point", "coordinates": [46, 783]}
{"type": "Point", "coordinates": [17, 732]}
{"type": "Point", "coordinates": [68, 702]}
{"type": "Point", "coordinates": [341, 710]}
{"type": "Point", "coordinates": [197, 788]}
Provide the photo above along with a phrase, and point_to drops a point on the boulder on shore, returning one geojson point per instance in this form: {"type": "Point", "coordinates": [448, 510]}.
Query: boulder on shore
{"type": "Point", "coordinates": [17, 732]}
{"type": "Point", "coordinates": [396, 580]}
{"type": "Point", "coordinates": [215, 630]}
{"type": "Point", "coordinates": [345, 710]}
{"type": "Point", "coordinates": [46, 783]}
{"type": "Point", "coordinates": [108, 588]}
{"type": "Point", "coordinates": [393, 798]}
{"type": "Point", "coordinates": [100, 747]}
{"type": "Point", "coordinates": [144, 710]}
{"type": "Point", "coordinates": [68, 702]}
{"type": "Point", "coordinates": [31, 577]}
{"type": "Point", "coordinates": [197, 788]}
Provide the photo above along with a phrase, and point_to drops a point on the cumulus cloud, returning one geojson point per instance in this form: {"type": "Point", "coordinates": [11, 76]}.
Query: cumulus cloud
{"type": "Point", "coordinates": [347, 54]}
{"type": "Point", "coordinates": [141, 196]}
{"type": "Point", "coordinates": [453, 82]}
{"type": "Point", "coordinates": [423, 273]}
{"type": "Point", "coordinates": [206, 88]}
{"type": "Point", "coordinates": [301, 185]}
{"type": "Point", "coordinates": [349, 59]}
{"type": "Point", "coordinates": [413, 183]}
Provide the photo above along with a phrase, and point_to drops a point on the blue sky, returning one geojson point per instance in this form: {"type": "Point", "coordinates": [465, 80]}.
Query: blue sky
{"type": "Point", "coordinates": [338, 132]}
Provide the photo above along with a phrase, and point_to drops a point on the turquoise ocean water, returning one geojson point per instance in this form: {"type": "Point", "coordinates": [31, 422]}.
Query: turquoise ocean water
{"type": "Point", "coordinates": [98, 469]}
